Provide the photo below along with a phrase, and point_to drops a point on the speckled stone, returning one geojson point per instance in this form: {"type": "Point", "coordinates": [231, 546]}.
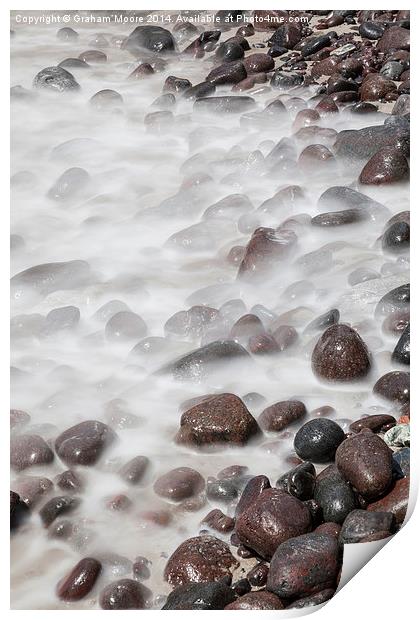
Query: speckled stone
{"type": "Point", "coordinates": [340, 355]}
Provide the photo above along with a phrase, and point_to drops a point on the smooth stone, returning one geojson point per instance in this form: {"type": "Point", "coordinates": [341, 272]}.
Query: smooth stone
{"type": "Point", "coordinates": [72, 183]}
{"type": "Point", "coordinates": [197, 596]}
{"type": "Point", "coordinates": [396, 300]}
{"type": "Point", "coordinates": [69, 481]}
{"type": "Point", "coordinates": [394, 386]}
{"type": "Point", "coordinates": [134, 470]}
{"type": "Point", "coordinates": [179, 484]}
{"type": "Point", "coordinates": [395, 502]}
{"type": "Point", "coordinates": [361, 144]}
{"type": "Point", "coordinates": [318, 440]}
{"type": "Point", "coordinates": [73, 63]}
{"type": "Point", "coordinates": [29, 450]}
{"type": "Point", "coordinates": [327, 319]}
{"type": "Point", "coordinates": [153, 38]}
{"type": "Point", "coordinates": [260, 600]}
{"type": "Point", "coordinates": [392, 70]}
{"type": "Point", "coordinates": [394, 38]}
{"type": "Point", "coordinates": [363, 526]}
{"type": "Point", "coordinates": [228, 51]}
{"type": "Point", "coordinates": [401, 353]}
{"type": "Point", "coordinates": [222, 419]}
{"type": "Point", "coordinates": [31, 489]}
{"type": "Point", "coordinates": [315, 599]}
{"type": "Point", "coordinates": [93, 56]}
{"type": "Point", "coordinates": [387, 165]}
{"type": "Point", "coordinates": [402, 106]}
{"type": "Point", "coordinates": [125, 325]}
{"type": "Point", "coordinates": [371, 30]}
{"type": "Point", "coordinates": [264, 251]}
{"type": "Point", "coordinates": [375, 423]}
{"type": "Point", "coordinates": [341, 196]}
{"type": "Point", "coordinates": [401, 462]}
{"type": "Point", "coordinates": [56, 79]}
{"type": "Point", "coordinates": [228, 73]}
{"type": "Point", "coordinates": [175, 84]}
{"type": "Point", "coordinates": [336, 499]}
{"type": "Point", "coordinates": [256, 63]}
{"type": "Point", "coordinates": [315, 44]}
{"type": "Point", "coordinates": [199, 559]}
{"type": "Point", "coordinates": [61, 319]}
{"type": "Point", "coordinates": [191, 323]}
{"type": "Point", "coordinates": [252, 491]}
{"type": "Point", "coordinates": [218, 521]}
{"type": "Point", "coordinates": [299, 481]}
{"type": "Point", "coordinates": [49, 277]}
{"type": "Point", "coordinates": [56, 507]}
{"type": "Point", "coordinates": [124, 594]}
{"type": "Point", "coordinates": [280, 415]}
{"type": "Point", "coordinates": [106, 99]}
{"type": "Point", "coordinates": [275, 516]}
{"type": "Point", "coordinates": [286, 36]}
{"type": "Point", "coordinates": [80, 580]}
{"type": "Point", "coordinates": [84, 443]}
{"type": "Point", "coordinates": [221, 490]}
{"type": "Point", "coordinates": [285, 81]}
{"type": "Point", "coordinates": [396, 238]}
{"type": "Point", "coordinates": [375, 87]}
{"type": "Point", "coordinates": [67, 34]}
{"type": "Point", "coordinates": [201, 362]}
{"type": "Point", "coordinates": [340, 355]}
{"type": "Point", "coordinates": [304, 566]}
{"type": "Point", "coordinates": [365, 461]}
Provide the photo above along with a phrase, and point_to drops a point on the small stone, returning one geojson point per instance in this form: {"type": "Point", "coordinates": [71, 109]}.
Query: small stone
{"type": "Point", "coordinates": [31, 489]}
{"type": "Point", "coordinates": [199, 559]}
{"type": "Point", "coordinates": [56, 79]}
{"type": "Point", "coordinates": [304, 566]}
{"type": "Point", "coordinates": [252, 491]}
{"type": "Point", "coordinates": [394, 38]}
{"type": "Point", "coordinates": [335, 497]}
{"type": "Point", "coordinates": [394, 386]}
{"type": "Point", "coordinates": [340, 355]}
{"type": "Point", "coordinates": [56, 507]}
{"type": "Point", "coordinates": [213, 595]}
{"type": "Point", "coordinates": [375, 423]}
{"type": "Point", "coordinates": [396, 238]}
{"type": "Point", "coordinates": [265, 250]}
{"type": "Point", "coordinates": [280, 415]}
{"type": "Point", "coordinates": [141, 568]}
{"type": "Point", "coordinates": [218, 521]}
{"type": "Point", "coordinates": [133, 471]}
{"type": "Point", "coordinates": [29, 450]}
{"type": "Point", "coordinates": [260, 600]}
{"type": "Point", "coordinates": [272, 518]}
{"type": "Point", "coordinates": [299, 482]}
{"type": "Point", "coordinates": [221, 490]}
{"type": "Point", "coordinates": [93, 56]}
{"type": "Point", "coordinates": [221, 419]}
{"type": "Point", "coordinates": [69, 481]}
{"type": "Point", "coordinates": [106, 99]}
{"type": "Point", "coordinates": [84, 443]}
{"type": "Point", "coordinates": [331, 317]}
{"type": "Point", "coordinates": [257, 576]}
{"type": "Point", "coordinates": [80, 580]}
{"type": "Point", "coordinates": [365, 461]}
{"type": "Point", "coordinates": [315, 599]}
{"type": "Point", "coordinates": [375, 87]}
{"type": "Point", "coordinates": [396, 300]}
{"type": "Point", "coordinates": [388, 165]}
{"type": "Point", "coordinates": [395, 502]}
{"type": "Point", "coordinates": [153, 38]}
{"type": "Point", "coordinates": [123, 594]}
{"type": "Point", "coordinates": [228, 73]}
{"type": "Point", "coordinates": [67, 34]}
{"type": "Point", "coordinates": [401, 353]}
{"type": "Point", "coordinates": [179, 484]}
{"type": "Point", "coordinates": [285, 81]}
{"type": "Point", "coordinates": [124, 326]}
{"type": "Point", "coordinates": [285, 336]}
{"type": "Point", "coordinates": [364, 526]}
{"type": "Point", "coordinates": [318, 440]}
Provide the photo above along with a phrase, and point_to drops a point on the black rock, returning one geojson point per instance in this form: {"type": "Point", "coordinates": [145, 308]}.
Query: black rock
{"type": "Point", "coordinates": [56, 507]}
{"type": "Point", "coordinates": [395, 300]}
{"type": "Point", "coordinates": [335, 497]}
{"type": "Point", "coordinates": [325, 320]}
{"type": "Point", "coordinates": [371, 30]}
{"type": "Point", "coordinates": [362, 144]}
{"type": "Point", "coordinates": [401, 462]}
{"type": "Point", "coordinates": [19, 511]}
{"type": "Point", "coordinates": [222, 490]}
{"type": "Point", "coordinates": [299, 481]}
{"type": "Point", "coordinates": [392, 70]}
{"type": "Point", "coordinates": [284, 81]}
{"type": "Point", "coordinates": [56, 79]}
{"type": "Point", "coordinates": [213, 595]}
{"type": "Point", "coordinates": [396, 238]}
{"type": "Point", "coordinates": [229, 50]}
{"type": "Point", "coordinates": [203, 89]}
{"type": "Point", "coordinates": [152, 38]}
{"type": "Point", "coordinates": [342, 196]}
{"type": "Point", "coordinates": [401, 352]}
{"type": "Point", "coordinates": [364, 526]}
{"type": "Point", "coordinates": [315, 44]}
{"type": "Point", "coordinates": [318, 439]}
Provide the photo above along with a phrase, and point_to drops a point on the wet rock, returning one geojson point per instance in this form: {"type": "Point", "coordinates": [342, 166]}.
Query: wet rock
{"type": "Point", "coordinates": [71, 184]}
{"type": "Point", "coordinates": [224, 105]}
{"type": "Point", "coordinates": [191, 323]}
{"type": "Point", "coordinates": [396, 323]}
{"type": "Point", "coordinates": [143, 70]}
{"type": "Point", "coordinates": [401, 462]}
{"type": "Point", "coordinates": [221, 419]}
{"type": "Point", "coordinates": [394, 38]}
{"type": "Point", "coordinates": [304, 566]}
{"type": "Point", "coordinates": [124, 594]}
{"type": "Point", "coordinates": [73, 63]}
{"type": "Point", "coordinates": [29, 450]}
{"type": "Point", "coordinates": [371, 30]}
{"type": "Point", "coordinates": [69, 481]}
{"type": "Point", "coordinates": [93, 56]}
{"type": "Point", "coordinates": [178, 484]}
{"type": "Point", "coordinates": [264, 251]}
{"type": "Point", "coordinates": [335, 497]}
{"type": "Point", "coordinates": [213, 595]}
{"type": "Point", "coordinates": [175, 84]}
{"type": "Point", "coordinates": [56, 79]}
{"type": "Point", "coordinates": [318, 440]}
{"type": "Point", "coordinates": [394, 301]}
{"type": "Point", "coordinates": [152, 38]}
{"type": "Point", "coordinates": [340, 355]}
{"type": "Point", "coordinates": [228, 73]}
{"type": "Point", "coordinates": [299, 482]}
{"type": "Point", "coordinates": [364, 526]}
{"type": "Point", "coordinates": [134, 470]}
{"type": "Point", "coordinates": [84, 443]}
{"type": "Point", "coordinates": [274, 517]}
{"type": "Point", "coordinates": [375, 423]}
{"type": "Point", "coordinates": [398, 436]}
{"type": "Point", "coordinates": [229, 50]}
{"type": "Point", "coordinates": [327, 319]}
{"type": "Point", "coordinates": [18, 510]}
{"type": "Point", "coordinates": [285, 336]}
{"type": "Point", "coordinates": [256, 63]}
{"type": "Point", "coordinates": [394, 386]}
{"type": "Point", "coordinates": [315, 599]}
{"type": "Point", "coordinates": [388, 165]}
{"type": "Point", "coordinates": [392, 70]}
{"type": "Point", "coordinates": [401, 353]}
{"type": "Point", "coordinates": [125, 325]}
{"type": "Point", "coordinates": [345, 197]}
{"type": "Point", "coordinates": [18, 418]}
{"type": "Point", "coordinates": [375, 87]}
{"type": "Point", "coordinates": [106, 99]}
{"type": "Point", "coordinates": [278, 416]}
{"type": "Point", "coordinates": [252, 491]}
{"type": "Point", "coordinates": [402, 105]}
{"type": "Point", "coordinates": [67, 34]}
{"type": "Point", "coordinates": [287, 36]}
{"type": "Point", "coordinates": [56, 507]}
{"type": "Point", "coordinates": [80, 580]}
{"type": "Point", "coordinates": [396, 238]}
{"type": "Point", "coordinates": [61, 319]}
{"type": "Point", "coordinates": [361, 144]}
{"type": "Point", "coordinates": [141, 568]}
{"type": "Point", "coordinates": [218, 521]}
{"type": "Point", "coordinates": [395, 502]}
{"type": "Point", "coordinates": [199, 559]}
{"type": "Point", "coordinates": [260, 600]}
{"type": "Point", "coordinates": [246, 326]}
{"type": "Point", "coordinates": [285, 81]}
{"type": "Point", "coordinates": [365, 461]}
{"type": "Point", "coordinates": [31, 489]}
{"type": "Point", "coordinates": [221, 490]}
{"type": "Point", "coordinates": [49, 277]}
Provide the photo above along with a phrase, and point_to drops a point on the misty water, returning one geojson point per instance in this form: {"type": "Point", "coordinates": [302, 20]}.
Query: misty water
{"type": "Point", "coordinates": [139, 225]}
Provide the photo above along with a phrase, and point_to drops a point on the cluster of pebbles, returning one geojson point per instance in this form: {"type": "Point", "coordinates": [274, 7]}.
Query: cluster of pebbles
{"type": "Point", "coordinates": [210, 307]}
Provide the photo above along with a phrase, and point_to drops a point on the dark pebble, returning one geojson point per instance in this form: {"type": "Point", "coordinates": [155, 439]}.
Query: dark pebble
{"type": "Point", "coordinates": [387, 165]}
{"type": "Point", "coordinates": [213, 595]}
{"type": "Point", "coordinates": [315, 599]}
{"type": "Point", "coordinates": [260, 600]}
{"type": "Point", "coordinates": [335, 497]}
{"type": "Point", "coordinates": [141, 568]}
{"type": "Point", "coordinates": [280, 415]}
{"type": "Point", "coordinates": [29, 450]}
{"type": "Point", "coordinates": [221, 490]}
{"type": "Point", "coordinates": [80, 580]}
{"type": "Point", "coordinates": [394, 386]}
{"type": "Point", "coordinates": [318, 440]}
{"type": "Point", "coordinates": [376, 423]}
{"type": "Point", "coordinates": [340, 355]}
{"type": "Point", "coordinates": [252, 491]}
{"type": "Point", "coordinates": [56, 507]}
{"type": "Point", "coordinates": [325, 320]}
{"type": "Point", "coordinates": [179, 484]}
{"type": "Point", "coordinates": [218, 521]}
{"type": "Point", "coordinates": [394, 301]}
{"type": "Point", "coordinates": [123, 594]}
{"type": "Point", "coordinates": [401, 462]}
{"type": "Point", "coordinates": [133, 471]}
{"type": "Point", "coordinates": [395, 502]}
{"type": "Point", "coordinates": [396, 238]}
{"type": "Point", "coordinates": [363, 526]}
{"type": "Point", "coordinates": [299, 482]}
{"type": "Point", "coordinates": [56, 79]}
{"type": "Point", "coordinates": [69, 480]}
{"type": "Point", "coordinates": [153, 38]}
{"type": "Point", "coordinates": [84, 443]}
{"type": "Point", "coordinates": [401, 353]}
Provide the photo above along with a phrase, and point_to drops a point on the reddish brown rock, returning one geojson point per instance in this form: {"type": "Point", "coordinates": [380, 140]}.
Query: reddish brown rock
{"type": "Point", "coordinates": [365, 461]}
{"type": "Point", "coordinates": [221, 419]}
{"type": "Point", "coordinates": [265, 250]}
{"type": "Point", "coordinates": [80, 580]}
{"type": "Point", "coordinates": [376, 423]}
{"type": "Point", "coordinates": [394, 386]}
{"type": "Point", "coordinates": [218, 521]}
{"type": "Point", "coordinates": [395, 502]}
{"type": "Point", "coordinates": [340, 355]}
{"type": "Point", "coordinates": [251, 493]}
{"type": "Point", "coordinates": [285, 336]}
{"type": "Point", "coordinates": [124, 594]}
{"type": "Point", "coordinates": [84, 443]}
{"type": "Point", "coordinates": [29, 450]}
{"type": "Point", "coordinates": [258, 601]}
{"type": "Point", "coordinates": [273, 518]}
{"type": "Point", "coordinates": [304, 565]}
{"type": "Point", "coordinates": [276, 417]}
{"type": "Point", "coordinates": [245, 327]}
{"type": "Point", "coordinates": [257, 63]}
{"type": "Point", "coordinates": [180, 483]}
{"type": "Point", "coordinates": [375, 87]}
{"type": "Point", "coordinates": [394, 38]}
{"type": "Point", "coordinates": [32, 488]}
{"type": "Point", "coordinates": [388, 165]}
{"type": "Point", "coordinates": [199, 559]}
